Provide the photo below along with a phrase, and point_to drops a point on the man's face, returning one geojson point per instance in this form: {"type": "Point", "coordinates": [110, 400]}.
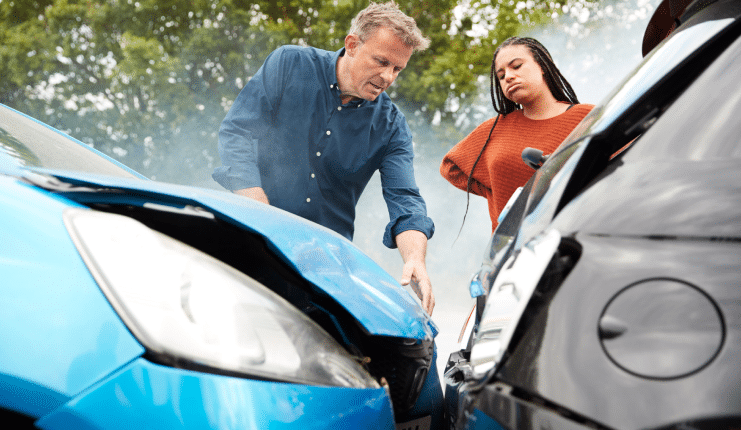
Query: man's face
{"type": "Point", "coordinates": [374, 64]}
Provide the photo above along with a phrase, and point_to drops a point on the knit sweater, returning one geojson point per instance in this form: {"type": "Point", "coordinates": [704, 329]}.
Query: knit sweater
{"type": "Point", "coordinates": [500, 171]}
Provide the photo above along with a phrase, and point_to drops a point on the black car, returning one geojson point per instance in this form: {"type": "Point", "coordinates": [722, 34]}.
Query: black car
{"type": "Point", "coordinates": [611, 294]}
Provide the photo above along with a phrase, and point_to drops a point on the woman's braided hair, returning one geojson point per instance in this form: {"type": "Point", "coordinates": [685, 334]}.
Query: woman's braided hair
{"type": "Point", "coordinates": [557, 84]}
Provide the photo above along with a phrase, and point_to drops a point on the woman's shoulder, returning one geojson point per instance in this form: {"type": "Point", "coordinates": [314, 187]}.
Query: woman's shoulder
{"type": "Point", "coordinates": [488, 122]}
{"type": "Point", "coordinates": [582, 108]}
{"type": "Point", "coordinates": [576, 113]}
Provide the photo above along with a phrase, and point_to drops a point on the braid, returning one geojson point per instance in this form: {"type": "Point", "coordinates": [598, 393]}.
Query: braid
{"type": "Point", "coordinates": [470, 176]}
{"type": "Point", "coordinates": [557, 84]}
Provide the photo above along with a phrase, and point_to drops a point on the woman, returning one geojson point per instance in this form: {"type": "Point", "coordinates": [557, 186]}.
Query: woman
{"type": "Point", "coordinates": [537, 108]}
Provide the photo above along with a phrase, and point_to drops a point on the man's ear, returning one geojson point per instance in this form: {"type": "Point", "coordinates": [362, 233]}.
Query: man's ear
{"type": "Point", "coordinates": [352, 42]}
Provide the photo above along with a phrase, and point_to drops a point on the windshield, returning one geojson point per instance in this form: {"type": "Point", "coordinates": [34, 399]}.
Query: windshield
{"type": "Point", "coordinates": [657, 66]}
{"type": "Point", "coordinates": [703, 125]}
{"type": "Point", "coordinates": [30, 143]}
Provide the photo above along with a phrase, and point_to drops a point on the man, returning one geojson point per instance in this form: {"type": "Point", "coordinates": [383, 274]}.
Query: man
{"type": "Point", "coordinates": [311, 127]}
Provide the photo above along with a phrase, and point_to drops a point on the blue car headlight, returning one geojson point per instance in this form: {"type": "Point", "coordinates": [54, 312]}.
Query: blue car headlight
{"type": "Point", "coordinates": [181, 303]}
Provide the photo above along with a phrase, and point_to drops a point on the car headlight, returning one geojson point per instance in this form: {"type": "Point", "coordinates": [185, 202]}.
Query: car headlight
{"type": "Point", "coordinates": [509, 295]}
{"type": "Point", "coordinates": [183, 304]}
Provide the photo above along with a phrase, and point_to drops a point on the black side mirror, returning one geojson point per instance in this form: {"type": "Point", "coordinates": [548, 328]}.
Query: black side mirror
{"type": "Point", "coordinates": [533, 157]}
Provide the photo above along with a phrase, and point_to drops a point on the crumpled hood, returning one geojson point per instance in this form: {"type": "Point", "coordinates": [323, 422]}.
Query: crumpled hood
{"type": "Point", "coordinates": [324, 258]}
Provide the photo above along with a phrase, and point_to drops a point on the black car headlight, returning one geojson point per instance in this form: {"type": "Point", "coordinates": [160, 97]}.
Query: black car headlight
{"type": "Point", "coordinates": [506, 302]}
{"type": "Point", "coordinates": [181, 303]}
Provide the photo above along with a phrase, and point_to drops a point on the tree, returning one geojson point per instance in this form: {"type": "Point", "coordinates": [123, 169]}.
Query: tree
{"type": "Point", "coordinates": [140, 79]}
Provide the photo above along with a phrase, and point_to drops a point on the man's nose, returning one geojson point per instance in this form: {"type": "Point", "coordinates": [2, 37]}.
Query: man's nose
{"type": "Point", "coordinates": [388, 75]}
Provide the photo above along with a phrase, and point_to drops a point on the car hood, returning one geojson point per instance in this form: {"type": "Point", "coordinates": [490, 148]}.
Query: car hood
{"type": "Point", "coordinates": [659, 199]}
{"type": "Point", "coordinates": [327, 260]}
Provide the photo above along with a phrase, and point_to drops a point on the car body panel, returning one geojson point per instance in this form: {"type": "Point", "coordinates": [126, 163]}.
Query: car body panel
{"type": "Point", "coordinates": [323, 257]}
{"type": "Point", "coordinates": [504, 411]}
{"type": "Point", "coordinates": [667, 198]}
{"type": "Point", "coordinates": [670, 54]}
{"type": "Point", "coordinates": [560, 356]}
{"type": "Point", "coordinates": [22, 148]}
{"type": "Point", "coordinates": [320, 255]}
{"type": "Point", "coordinates": [145, 395]}
{"type": "Point", "coordinates": [59, 332]}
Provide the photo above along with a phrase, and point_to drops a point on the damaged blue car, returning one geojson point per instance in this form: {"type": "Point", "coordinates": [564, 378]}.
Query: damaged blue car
{"type": "Point", "coordinates": [130, 303]}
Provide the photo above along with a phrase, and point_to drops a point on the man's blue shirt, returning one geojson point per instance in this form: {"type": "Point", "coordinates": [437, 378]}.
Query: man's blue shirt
{"type": "Point", "coordinates": [289, 133]}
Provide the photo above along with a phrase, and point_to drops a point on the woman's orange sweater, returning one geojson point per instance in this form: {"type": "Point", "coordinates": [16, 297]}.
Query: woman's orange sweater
{"type": "Point", "coordinates": [500, 171]}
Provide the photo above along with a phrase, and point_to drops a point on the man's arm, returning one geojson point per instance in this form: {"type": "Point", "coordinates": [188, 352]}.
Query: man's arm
{"type": "Point", "coordinates": [409, 226]}
{"type": "Point", "coordinates": [255, 193]}
{"type": "Point", "coordinates": [412, 245]}
{"type": "Point", "coordinates": [245, 125]}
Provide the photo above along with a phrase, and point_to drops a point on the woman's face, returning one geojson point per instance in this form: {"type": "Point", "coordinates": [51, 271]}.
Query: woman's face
{"type": "Point", "coordinates": [519, 75]}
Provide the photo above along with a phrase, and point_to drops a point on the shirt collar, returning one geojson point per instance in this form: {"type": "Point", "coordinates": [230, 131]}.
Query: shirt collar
{"type": "Point", "coordinates": [334, 85]}
{"type": "Point", "coordinates": [332, 70]}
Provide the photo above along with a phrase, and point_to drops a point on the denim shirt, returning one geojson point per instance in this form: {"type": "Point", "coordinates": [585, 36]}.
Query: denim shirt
{"type": "Point", "coordinates": [289, 133]}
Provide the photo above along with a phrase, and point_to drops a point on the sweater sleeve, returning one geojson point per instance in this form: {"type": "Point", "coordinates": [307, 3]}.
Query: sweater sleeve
{"type": "Point", "coordinates": [458, 162]}
{"type": "Point", "coordinates": [456, 176]}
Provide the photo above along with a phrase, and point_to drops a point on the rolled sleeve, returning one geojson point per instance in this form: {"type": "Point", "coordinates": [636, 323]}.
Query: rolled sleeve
{"type": "Point", "coordinates": [407, 221]}
{"type": "Point", "coordinates": [407, 208]}
{"type": "Point", "coordinates": [238, 175]}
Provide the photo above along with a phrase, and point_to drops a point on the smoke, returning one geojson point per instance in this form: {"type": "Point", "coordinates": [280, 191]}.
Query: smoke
{"type": "Point", "coordinates": [594, 51]}
{"type": "Point", "coordinates": [593, 48]}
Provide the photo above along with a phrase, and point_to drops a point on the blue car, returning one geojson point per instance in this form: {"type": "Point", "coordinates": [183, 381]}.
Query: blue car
{"type": "Point", "coordinates": [131, 304]}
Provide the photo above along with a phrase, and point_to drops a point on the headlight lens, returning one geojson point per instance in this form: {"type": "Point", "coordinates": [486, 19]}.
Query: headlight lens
{"type": "Point", "coordinates": [182, 303]}
{"type": "Point", "coordinates": [509, 295]}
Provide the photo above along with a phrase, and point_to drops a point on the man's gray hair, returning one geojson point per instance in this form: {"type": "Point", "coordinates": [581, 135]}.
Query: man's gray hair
{"type": "Point", "coordinates": [388, 15]}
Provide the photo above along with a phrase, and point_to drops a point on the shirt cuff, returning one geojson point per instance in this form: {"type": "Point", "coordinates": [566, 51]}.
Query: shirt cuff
{"type": "Point", "coordinates": [403, 223]}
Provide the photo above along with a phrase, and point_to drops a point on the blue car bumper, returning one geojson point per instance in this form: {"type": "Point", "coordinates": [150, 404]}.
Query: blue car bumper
{"type": "Point", "coordinates": [144, 395]}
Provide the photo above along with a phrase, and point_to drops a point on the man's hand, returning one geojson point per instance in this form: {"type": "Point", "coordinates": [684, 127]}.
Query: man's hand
{"type": "Point", "coordinates": [255, 193]}
{"type": "Point", "coordinates": [412, 245]}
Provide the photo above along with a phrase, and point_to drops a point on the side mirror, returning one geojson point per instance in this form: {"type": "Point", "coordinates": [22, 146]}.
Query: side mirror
{"type": "Point", "coordinates": [533, 157]}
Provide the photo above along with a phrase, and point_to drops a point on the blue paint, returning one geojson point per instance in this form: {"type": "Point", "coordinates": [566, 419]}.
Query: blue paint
{"type": "Point", "coordinates": [326, 259]}
{"type": "Point", "coordinates": [145, 395]}
{"type": "Point", "coordinates": [59, 332]}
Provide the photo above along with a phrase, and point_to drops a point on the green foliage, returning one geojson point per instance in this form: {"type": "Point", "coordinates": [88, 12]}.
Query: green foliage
{"type": "Point", "coordinates": [142, 79]}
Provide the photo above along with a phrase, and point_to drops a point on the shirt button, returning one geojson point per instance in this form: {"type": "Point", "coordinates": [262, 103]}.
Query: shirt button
{"type": "Point", "coordinates": [313, 176]}
{"type": "Point", "coordinates": [328, 132]}
{"type": "Point", "coordinates": [339, 107]}
{"type": "Point", "coordinates": [331, 86]}
{"type": "Point", "coordinates": [318, 154]}
{"type": "Point", "coordinates": [308, 200]}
